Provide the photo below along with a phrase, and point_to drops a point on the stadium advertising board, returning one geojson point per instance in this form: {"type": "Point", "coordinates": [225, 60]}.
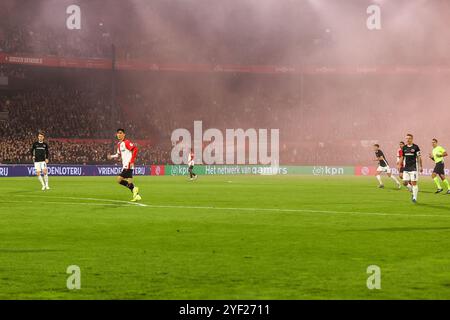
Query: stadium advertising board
{"type": "Point", "coordinates": [259, 170]}
{"type": "Point", "coordinates": [136, 64]}
{"type": "Point", "coordinates": [68, 170]}
{"type": "Point", "coordinates": [157, 170]}
{"type": "Point", "coordinates": [179, 170]}
{"type": "Point", "coordinates": [371, 171]}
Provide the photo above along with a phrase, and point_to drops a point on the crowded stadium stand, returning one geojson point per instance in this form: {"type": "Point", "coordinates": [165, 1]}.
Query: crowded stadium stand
{"type": "Point", "coordinates": [157, 80]}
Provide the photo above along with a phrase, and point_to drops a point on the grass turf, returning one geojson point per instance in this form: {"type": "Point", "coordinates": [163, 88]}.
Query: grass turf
{"type": "Point", "coordinates": [186, 244]}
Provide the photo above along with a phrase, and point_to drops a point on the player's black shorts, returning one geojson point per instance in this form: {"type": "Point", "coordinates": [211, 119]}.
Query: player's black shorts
{"type": "Point", "coordinates": [402, 169]}
{"type": "Point", "coordinates": [191, 167]}
{"type": "Point", "coordinates": [439, 168]}
{"type": "Point", "coordinates": [126, 173]}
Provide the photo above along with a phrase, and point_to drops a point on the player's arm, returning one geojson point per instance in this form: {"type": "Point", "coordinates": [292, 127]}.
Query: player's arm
{"type": "Point", "coordinates": [376, 158]}
{"type": "Point", "coordinates": [32, 151]}
{"type": "Point", "coordinates": [47, 153]}
{"type": "Point", "coordinates": [380, 158]}
{"type": "Point", "coordinates": [420, 163]}
{"type": "Point", "coordinates": [114, 156]}
{"type": "Point", "coordinates": [419, 158]}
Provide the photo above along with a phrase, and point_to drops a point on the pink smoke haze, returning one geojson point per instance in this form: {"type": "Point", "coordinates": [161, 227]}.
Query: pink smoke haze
{"type": "Point", "coordinates": [325, 117]}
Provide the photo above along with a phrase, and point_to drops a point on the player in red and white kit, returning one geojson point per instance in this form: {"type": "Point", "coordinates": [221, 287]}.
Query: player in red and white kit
{"type": "Point", "coordinates": [191, 165]}
{"type": "Point", "coordinates": [128, 152]}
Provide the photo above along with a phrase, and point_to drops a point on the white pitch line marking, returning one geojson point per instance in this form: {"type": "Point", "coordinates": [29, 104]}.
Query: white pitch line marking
{"type": "Point", "coordinates": [90, 199]}
{"type": "Point", "coordinates": [70, 203]}
{"type": "Point", "coordinates": [245, 209]}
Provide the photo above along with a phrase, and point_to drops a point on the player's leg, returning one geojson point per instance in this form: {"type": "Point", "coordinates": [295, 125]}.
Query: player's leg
{"type": "Point", "coordinates": [407, 181]}
{"type": "Point", "coordinates": [415, 188]}
{"type": "Point", "coordinates": [121, 180]}
{"type": "Point", "coordinates": [436, 181]}
{"type": "Point", "coordinates": [440, 171]}
{"type": "Point", "coordinates": [390, 175]}
{"type": "Point", "coordinates": [190, 172]}
{"type": "Point", "coordinates": [45, 171]}
{"type": "Point", "coordinates": [445, 181]}
{"type": "Point", "coordinates": [37, 166]}
{"type": "Point", "coordinates": [134, 190]}
{"type": "Point", "coordinates": [127, 181]}
{"type": "Point", "coordinates": [415, 191]}
{"type": "Point", "coordinates": [41, 180]}
{"type": "Point", "coordinates": [124, 181]}
{"type": "Point", "coordinates": [131, 186]}
{"type": "Point", "coordinates": [193, 174]}
{"type": "Point", "coordinates": [378, 176]}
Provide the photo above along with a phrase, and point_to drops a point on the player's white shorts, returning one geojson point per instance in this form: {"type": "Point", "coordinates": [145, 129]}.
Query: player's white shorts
{"type": "Point", "coordinates": [410, 176]}
{"type": "Point", "coordinates": [384, 169]}
{"type": "Point", "coordinates": [40, 166]}
{"type": "Point", "coordinates": [191, 163]}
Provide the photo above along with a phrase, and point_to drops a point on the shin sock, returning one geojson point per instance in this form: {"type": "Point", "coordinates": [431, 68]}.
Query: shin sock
{"type": "Point", "coordinates": [379, 179]}
{"type": "Point", "coordinates": [436, 181]}
{"type": "Point", "coordinates": [41, 180]}
{"type": "Point", "coordinates": [415, 190]}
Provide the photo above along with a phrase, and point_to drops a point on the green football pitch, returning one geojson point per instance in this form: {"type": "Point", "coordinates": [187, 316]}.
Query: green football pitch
{"type": "Point", "coordinates": [223, 237]}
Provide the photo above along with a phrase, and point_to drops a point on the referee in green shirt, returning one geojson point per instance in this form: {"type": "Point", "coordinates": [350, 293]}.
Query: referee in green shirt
{"type": "Point", "coordinates": [437, 156]}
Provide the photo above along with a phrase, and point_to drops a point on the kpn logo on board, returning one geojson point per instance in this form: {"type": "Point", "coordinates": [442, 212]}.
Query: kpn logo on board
{"type": "Point", "coordinates": [234, 146]}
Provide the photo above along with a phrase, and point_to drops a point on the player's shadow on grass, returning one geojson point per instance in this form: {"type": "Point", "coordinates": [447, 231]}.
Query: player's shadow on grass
{"type": "Point", "coordinates": [101, 208]}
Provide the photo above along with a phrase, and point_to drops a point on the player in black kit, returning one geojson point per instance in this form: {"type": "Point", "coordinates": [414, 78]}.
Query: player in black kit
{"type": "Point", "coordinates": [413, 165]}
{"type": "Point", "coordinates": [40, 155]}
{"type": "Point", "coordinates": [383, 166]}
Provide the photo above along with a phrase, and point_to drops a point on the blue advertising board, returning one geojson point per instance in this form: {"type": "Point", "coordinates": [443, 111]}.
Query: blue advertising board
{"type": "Point", "coordinates": [24, 170]}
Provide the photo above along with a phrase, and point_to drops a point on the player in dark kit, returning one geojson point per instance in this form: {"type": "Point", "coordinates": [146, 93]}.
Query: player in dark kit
{"type": "Point", "coordinates": [401, 165]}
{"type": "Point", "coordinates": [413, 165]}
{"type": "Point", "coordinates": [40, 155]}
{"type": "Point", "coordinates": [383, 166]}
